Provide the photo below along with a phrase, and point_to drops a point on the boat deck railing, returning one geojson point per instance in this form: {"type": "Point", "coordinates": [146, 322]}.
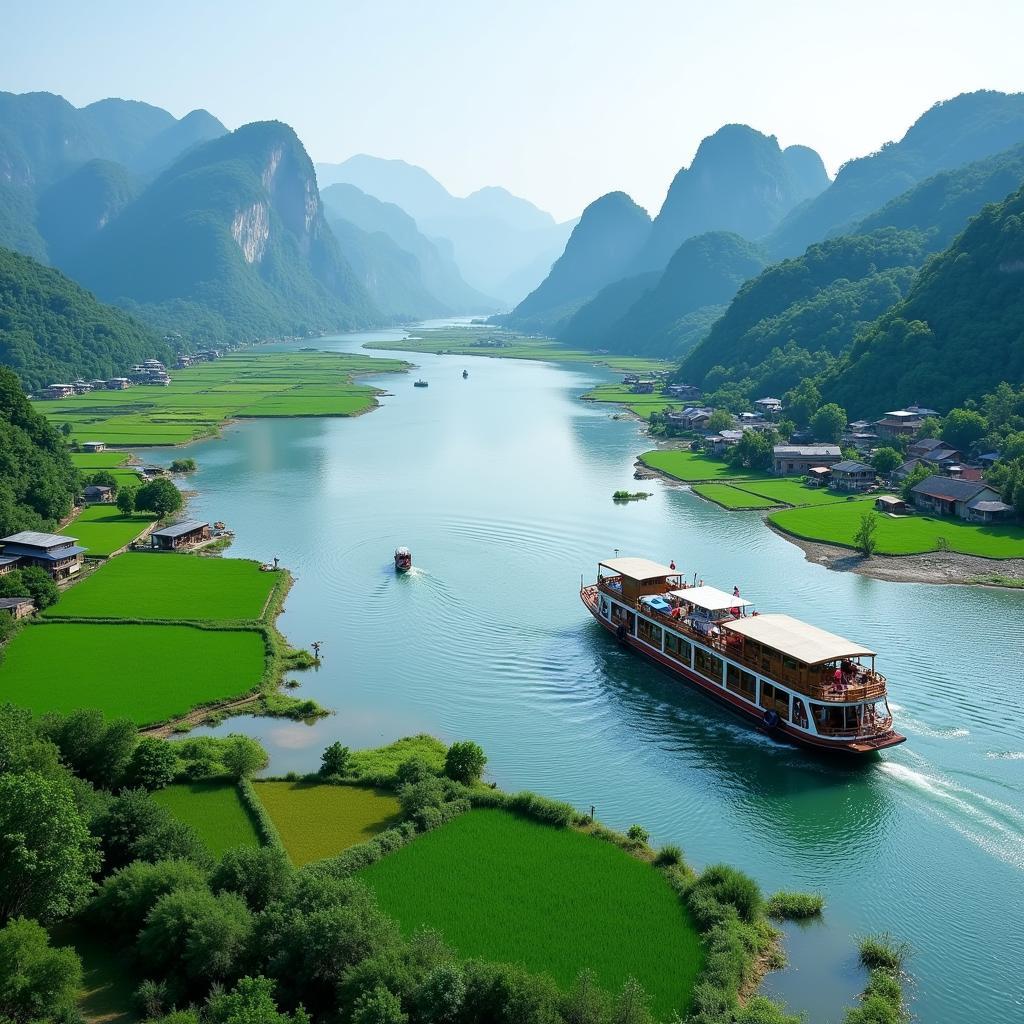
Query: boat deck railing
{"type": "Point", "coordinates": [818, 684]}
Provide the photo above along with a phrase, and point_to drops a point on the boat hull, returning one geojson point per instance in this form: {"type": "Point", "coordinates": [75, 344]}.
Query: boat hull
{"type": "Point", "coordinates": [753, 716]}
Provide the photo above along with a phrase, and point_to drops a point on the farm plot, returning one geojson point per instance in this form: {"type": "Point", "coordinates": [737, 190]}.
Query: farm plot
{"type": "Point", "coordinates": [214, 809]}
{"type": "Point", "coordinates": [555, 900]}
{"type": "Point", "coordinates": [146, 673]}
{"type": "Point", "coordinates": [102, 529]}
{"type": "Point", "coordinates": [169, 586]}
{"type": "Point", "coordinates": [317, 821]}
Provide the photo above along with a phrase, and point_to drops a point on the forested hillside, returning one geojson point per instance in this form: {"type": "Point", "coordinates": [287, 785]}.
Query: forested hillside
{"type": "Point", "coordinates": [53, 330]}
{"type": "Point", "coordinates": [37, 481]}
{"type": "Point", "coordinates": [958, 333]}
{"type": "Point", "coordinates": [790, 321]}
{"type": "Point", "coordinates": [610, 232]}
{"type": "Point", "coordinates": [739, 181]}
{"type": "Point", "coordinates": [953, 133]}
{"type": "Point", "coordinates": [233, 238]}
{"type": "Point", "coordinates": [670, 316]}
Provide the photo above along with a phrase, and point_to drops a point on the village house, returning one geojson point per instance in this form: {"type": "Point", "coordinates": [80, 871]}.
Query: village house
{"type": "Point", "coordinates": [8, 563]}
{"type": "Point", "coordinates": [17, 607]}
{"type": "Point", "coordinates": [717, 444]}
{"type": "Point", "coordinates": [118, 384]}
{"type": "Point", "coordinates": [797, 460]}
{"type": "Point", "coordinates": [988, 460]}
{"type": "Point", "coordinates": [898, 423]}
{"type": "Point", "coordinates": [851, 475]}
{"type": "Point", "coordinates": [691, 418]}
{"type": "Point", "coordinates": [891, 504]}
{"type": "Point", "coordinates": [57, 391]}
{"type": "Point", "coordinates": [643, 387]}
{"type": "Point", "coordinates": [94, 447]}
{"type": "Point", "coordinates": [60, 556]}
{"type": "Point", "coordinates": [817, 476]}
{"type": "Point", "coordinates": [769, 406]}
{"type": "Point", "coordinates": [98, 494]}
{"type": "Point", "coordinates": [971, 500]}
{"type": "Point", "coordinates": [684, 392]}
{"type": "Point", "coordinates": [181, 535]}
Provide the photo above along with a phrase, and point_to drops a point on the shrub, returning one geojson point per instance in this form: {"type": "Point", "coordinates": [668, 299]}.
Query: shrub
{"type": "Point", "coordinates": [183, 465]}
{"type": "Point", "coordinates": [243, 756]}
{"type": "Point", "coordinates": [379, 1006]}
{"type": "Point", "coordinates": [92, 747]}
{"type": "Point", "coordinates": [257, 874]}
{"type": "Point", "coordinates": [883, 952]}
{"type": "Point", "coordinates": [729, 887]}
{"type": "Point", "coordinates": [540, 808]}
{"type": "Point", "coordinates": [418, 796]}
{"type": "Point", "coordinates": [465, 762]}
{"type": "Point", "coordinates": [414, 770]}
{"type": "Point", "coordinates": [669, 855]}
{"type": "Point", "coordinates": [792, 906]}
{"type": "Point", "coordinates": [638, 835]}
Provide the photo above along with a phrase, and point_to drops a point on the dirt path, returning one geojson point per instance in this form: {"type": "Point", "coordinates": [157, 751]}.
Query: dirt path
{"type": "Point", "coordinates": [197, 717]}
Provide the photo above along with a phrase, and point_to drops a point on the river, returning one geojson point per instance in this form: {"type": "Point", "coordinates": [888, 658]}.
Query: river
{"type": "Point", "coordinates": [501, 484]}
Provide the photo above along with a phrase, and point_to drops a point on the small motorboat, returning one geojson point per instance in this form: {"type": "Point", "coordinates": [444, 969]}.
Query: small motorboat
{"type": "Point", "coordinates": [421, 383]}
{"type": "Point", "coordinates": [403, 559]}
{"type": "Point", "coordinates": [465, 374]}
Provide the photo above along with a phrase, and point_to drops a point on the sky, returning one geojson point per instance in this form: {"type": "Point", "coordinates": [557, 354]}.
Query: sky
{"type": "Point", "coordinates": [560, 102]}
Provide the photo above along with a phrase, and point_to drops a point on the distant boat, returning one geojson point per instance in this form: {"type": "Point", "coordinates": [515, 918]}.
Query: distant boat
{"type": "Point", "coordinates": [403, 559]}
{"type": "Point", "coordinates": [421, 383]}
{"type": "Point", "coordinates": [465, 374]}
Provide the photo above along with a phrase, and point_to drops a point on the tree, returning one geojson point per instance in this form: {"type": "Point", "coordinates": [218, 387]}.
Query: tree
{"type": "Point", "coordinates": [334, 760]}
{"type": "Point", "coordinates": [159, 496]}
{"type": "Point", "coordinates": [963, 428]}
{"type": "Point", "coordinates": [885, 460]}
{"type": "Point", "coordinates": [244, 756]}
{"type": "Point", "coordinates": [440, 996]}
{"type": "Point", "coordinates": [380, 1006]}
{"type": "Point", "coordinates": [802, 402]}
{"type": "Point", "coordinates": [865, 538]}
{"type": "Point", "coordinates": [720, 420]}
{"type": "Point", "coordinates": [128, 895]}
{"type": "Point", "coordinates": [257, 874]}
{"type": "Point", "coordinates": [829, 422]}
{"type": "Point", "coordinates": [913, 478]}
{"type": "Point", "coordinates": [66, 429]}
{"type": "Point", "coordinates": [753, 451]}
{"type": "Point", "coordinates": [931, 426]}
{"type": "Point", "coordinates": [103, 478]}
{"type": "Point", "coordinates": [465, 762]}
{"type": "Point", "coordinates": [135, 827]}
{"type": "Point", "coordinates": [37, 982]}
{"type": "Point", "coordinates": [126, 500]}
{"type": "Point", "coordinates": [92, 747]}
{"type": "Point", "coordinates": [30, 581]}
{"type": "Point", "coordinates": [183, 466]}
{"type": "Point", "coordinates": [47, 856]}
{"type": "Point", "coordinates": [153, 764]}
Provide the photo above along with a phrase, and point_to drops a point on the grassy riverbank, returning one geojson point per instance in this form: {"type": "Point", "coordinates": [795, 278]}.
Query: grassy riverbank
{"type": "Point", "coordinates": [200, 399]}
{"type": "Point", "coordinates": [498, 343]}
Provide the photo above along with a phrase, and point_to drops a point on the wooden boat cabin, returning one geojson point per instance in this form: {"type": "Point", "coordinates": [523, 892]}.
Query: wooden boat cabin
{"type": "Point", "coordinates": [792, 679]}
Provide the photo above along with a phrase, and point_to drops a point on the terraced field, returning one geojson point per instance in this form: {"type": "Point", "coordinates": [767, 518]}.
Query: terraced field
{"type": "Point", "coordinates": [201, 398]}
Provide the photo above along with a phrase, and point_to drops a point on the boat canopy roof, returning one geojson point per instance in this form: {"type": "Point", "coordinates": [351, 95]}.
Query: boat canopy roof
{"type": "Point", "coordinates": [711, 598]}
{"type": "Point", "coordinates": [638, 568]}
{"type": "Point", "coordinates": [402, 551]}
{"type": "Point", "coordinates": [799, 640]}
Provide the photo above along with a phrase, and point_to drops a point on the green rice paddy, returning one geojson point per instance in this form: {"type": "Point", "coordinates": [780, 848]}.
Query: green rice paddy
{"type": "Point", "coordinates": [90, 462]}
{"type": "Point", "coordinates": [146, 673]}
{"type": "Point", "coordinates": [837, 523]}
{"type": "Point", "coordinates": [214, 809]}
{"type": "Point", "coordinates": [695, 467]}
{"type": "Point", "coordinates": [732, 498]}
{"type": "Point", "coordinates": [558, 901]}
{"type": "Point", "coordinates": [139, 585]}
{"type": "Point", "coordinates": [102, 530]}
{"type": "Point", "coordinates": [201, 398]}
{"type": "Point", "coordinates": [790, 491]}
{"type": "Point", "coordinates": [319, 820]}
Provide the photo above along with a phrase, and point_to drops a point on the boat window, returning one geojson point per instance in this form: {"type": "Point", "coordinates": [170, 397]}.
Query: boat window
{"type": "Point", "coordinates": [740, 682]}
{"type": "Point", "coordinates": [604, 606]}
{"type": "Point", "coordinates": [789, 663]}
{"type": "Point", "coordinates": [649, 631]}
{"type": "Point", "coordinates": [774, 698]}
{"type": "Point", "coordinates": [799, 713]}
{"type": "Point", "coordinates": [677, 647]}
{"type": "Point", "coordinates": [707, 664]}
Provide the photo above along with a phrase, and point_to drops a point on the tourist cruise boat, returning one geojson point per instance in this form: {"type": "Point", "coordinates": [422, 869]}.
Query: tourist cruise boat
{"type": "Point", "coordinates": [793, 680]}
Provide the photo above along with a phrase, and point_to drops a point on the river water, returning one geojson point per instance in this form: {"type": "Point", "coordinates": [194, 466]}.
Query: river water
{"type": "Point", "coordinates": [501, 484]}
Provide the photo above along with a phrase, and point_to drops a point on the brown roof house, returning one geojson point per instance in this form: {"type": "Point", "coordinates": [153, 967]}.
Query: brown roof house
{"type": "Point", "coordinates": [798, 459]}
{"type": "Point", "coordinates": [851, 475]}
{"type": "Point", "coordinates": [971, 500]}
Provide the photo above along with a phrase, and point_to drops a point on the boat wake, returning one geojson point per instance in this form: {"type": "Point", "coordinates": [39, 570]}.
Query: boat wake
{"type": "Point", "coordinates": [906, 723]}
{"type": "Point", "coordinates": [1005, 755]}
{"type": "Point", "coordinates": [993, 826]}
